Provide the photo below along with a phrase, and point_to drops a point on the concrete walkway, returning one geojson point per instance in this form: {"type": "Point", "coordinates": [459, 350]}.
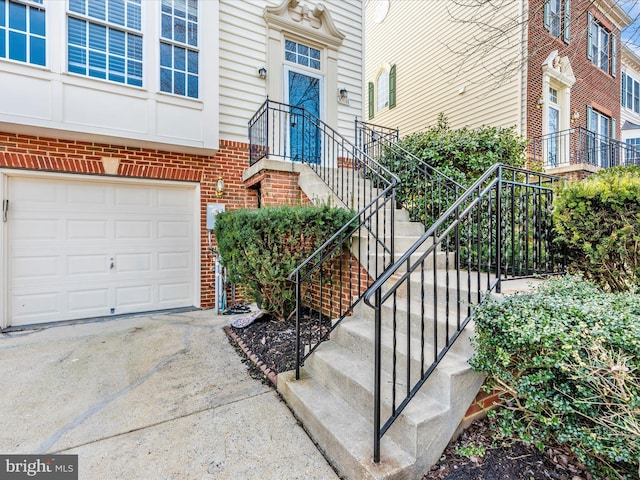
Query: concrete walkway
{"type": "Point", "coordinates": [148, 397]}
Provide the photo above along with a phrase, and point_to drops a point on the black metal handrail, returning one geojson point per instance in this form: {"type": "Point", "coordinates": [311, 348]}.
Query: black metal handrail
{"type": "Point", "coordinates": [331, 281]}
{"type": "Point", "coordinates": [428, 193]}
{"type": "Point", "coordinates": [500, 228]}
{"type": "Point", "coordinates": [581, 146]}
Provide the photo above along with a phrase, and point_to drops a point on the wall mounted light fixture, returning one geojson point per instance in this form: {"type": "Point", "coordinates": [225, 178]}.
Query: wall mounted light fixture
{"type": "Point", "coordinates": [540, 102]}
{"type": "Point", "coordinates": [575, 116]}
{"type": "Point", "coordinates": [343, 96]}
{"type": "Point", "coordinates": [262, 72]}
{"type": "Point", "coordinates": [219, 187]}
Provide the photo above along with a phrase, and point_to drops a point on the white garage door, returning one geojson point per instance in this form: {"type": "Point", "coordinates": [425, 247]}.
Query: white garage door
{"type": "Point", "coordinates": [81, 248]}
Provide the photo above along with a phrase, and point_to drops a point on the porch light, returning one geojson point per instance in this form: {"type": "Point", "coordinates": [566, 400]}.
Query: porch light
{"type": "Point", "coordinates": [575, 116]}
{"type": "Point", "coordinates": [262, 72]}
{"type": "Point", "coordinates": [219, 187]}
{"type": "Point", "coordinates": [540, 102]}
{"type": "Point", "coordinates": [343, 95]}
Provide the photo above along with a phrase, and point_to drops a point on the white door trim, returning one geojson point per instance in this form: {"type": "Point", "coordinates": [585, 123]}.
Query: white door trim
{"type": "Point", "coordinates": [5, 174]}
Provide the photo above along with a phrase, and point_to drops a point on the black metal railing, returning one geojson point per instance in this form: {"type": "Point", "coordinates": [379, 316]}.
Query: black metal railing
{"type": "Point", "coordinates": [427, 193]}
{"type": "Point", "coordinates": [581, 146]}
{"type": "Point", "coordinates": [332, 280]}
{"type": "Point", "coordinates": [499, 228]}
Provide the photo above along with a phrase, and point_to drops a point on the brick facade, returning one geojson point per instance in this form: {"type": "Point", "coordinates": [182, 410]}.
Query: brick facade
{"type": "Point", "coordinates": [267, 188]}
{"type": "Point", "coordinates": [594, 87]}
{"type": "Point", "coordinates": [69, 156]}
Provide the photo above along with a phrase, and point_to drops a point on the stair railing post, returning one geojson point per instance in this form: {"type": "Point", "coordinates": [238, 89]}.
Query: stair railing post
{"type": "Point", "coordinates": [377, 377]}
{"type": "Point", "coordinates": [499, 232]}
{"type": "Point", "coordinates": [298, 307]}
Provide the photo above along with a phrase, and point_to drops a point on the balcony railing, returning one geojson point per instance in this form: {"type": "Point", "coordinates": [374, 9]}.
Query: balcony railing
{"type": "Point", "coordinates": [581, 146]}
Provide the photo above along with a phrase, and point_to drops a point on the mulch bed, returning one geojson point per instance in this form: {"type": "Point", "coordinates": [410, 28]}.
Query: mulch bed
{"type": "Point", "coordinates": [267, 347]}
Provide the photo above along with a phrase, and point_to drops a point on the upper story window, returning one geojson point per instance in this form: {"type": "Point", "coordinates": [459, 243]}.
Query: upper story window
{"type": "Point", "coordinates": [179, 54]}
{"type": "Point", "coordinates": [105, 39]}
{"type": "Point", "coordinates": [385, 86]}
{"type": "Point", "coordinates": [630, 93]}
{"type": "Point", "coordinates": [302, 54]}
{"type": "Point", "coordinates": [22, 31]}
{"type": "Point", "coordinates": [601, 46]}
{"type": "Point", "coordinates": [557, 18]}
{"type": "Point", "coordinates": [382, 84]}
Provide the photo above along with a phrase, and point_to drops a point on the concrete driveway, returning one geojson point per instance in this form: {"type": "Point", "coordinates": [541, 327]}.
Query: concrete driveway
{"type": "Point", "coordinates": [148, 397]}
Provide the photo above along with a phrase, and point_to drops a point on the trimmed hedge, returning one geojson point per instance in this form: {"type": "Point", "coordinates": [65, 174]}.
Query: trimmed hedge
{"type": "Point", "coordinates": [597, 221]}
{"type": "Point", "coordinates": [260, 248]}
{"type": "Point", "coordinates": [566, 359]}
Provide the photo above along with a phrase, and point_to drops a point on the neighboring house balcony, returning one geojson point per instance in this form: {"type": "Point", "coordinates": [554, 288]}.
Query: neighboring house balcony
{"type": "Point", "coordinates": [579, 149]}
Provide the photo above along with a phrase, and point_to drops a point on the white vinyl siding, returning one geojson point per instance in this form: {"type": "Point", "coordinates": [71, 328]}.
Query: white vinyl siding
{"type": "Point", "coordinates": [243, 47]}
{"type": "Point", "coordinates": [428, 87]}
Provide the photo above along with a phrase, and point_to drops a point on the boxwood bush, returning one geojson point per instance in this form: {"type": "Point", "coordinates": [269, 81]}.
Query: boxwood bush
{"type": "Point", "coordinates": [566, 358]}
{"type": "Point", "coordinates": [597, 221]}
{"type": "Point", "coordinates": [260, 248]}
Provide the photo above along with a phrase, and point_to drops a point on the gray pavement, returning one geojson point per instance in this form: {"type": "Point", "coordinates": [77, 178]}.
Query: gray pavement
{"type": "Point", "coordinates": [149, 397]}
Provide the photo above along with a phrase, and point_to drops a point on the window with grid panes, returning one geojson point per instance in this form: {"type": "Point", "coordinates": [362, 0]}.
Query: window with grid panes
{"type": "Point", "coordinates": [104, 40]}
{"type": "Point", "coordinates": [23, 31]}
{"type": "Point", "coordinates": [179, 53]}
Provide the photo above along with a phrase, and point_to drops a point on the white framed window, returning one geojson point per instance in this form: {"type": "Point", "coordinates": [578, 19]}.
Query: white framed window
{"type": "Point", "coordinates": [104, 40]}
{"type": "Point", "coordinates": [302, 54]}
{"type": "Point", "coordinates": [630, 93]}
{"type": "Point", "coordinates": [179, 54]}
{"type": "Point", "coordinates": [632, 152]}
{"type": "Point", "coordinates": [382, 86]}
{"type": "Point", "coordinates": [601, 46]}
{"type": "Point", "coordinates": [23, 31]}
{"type": "Point", "coordinates": [557, 18]}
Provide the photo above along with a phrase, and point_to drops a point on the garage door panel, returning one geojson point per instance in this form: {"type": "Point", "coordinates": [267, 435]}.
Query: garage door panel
{"type": "Point", "coordinates": [135, 296]}
{"type": "Point", "coordinates": [133, 263]}
{"type": "Point", "coordinates": [86, 229]}
{"type": "Point", "coordinates": [31, 268]}
{"type": "Point", "coordinates": [35, 306]}
{"type": "Point", "coordinates": [173, 293]}
{"type": "Point", "coordinates": [34, 229]}
{"type": "Point", "coordinates": [85, 301]}
{"type": "Point", "coordinates": [90, 264]}
{"type": "Point", "coordinates": [133, 229]}
{"type": "Point", "coordinates": [173, 230]}
{"type": "Point", "coordinates": [82, 194]}
{"type": "Point", "coordinates": [64, 235]}
{"type": "Point", "coordinates": [174, 261]}
{"type": "Point", "coordinates": [126, 197]}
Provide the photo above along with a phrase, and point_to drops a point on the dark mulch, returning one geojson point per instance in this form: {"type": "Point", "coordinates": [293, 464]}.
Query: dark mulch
{"type": "Point", "coordinates": [273, 343]}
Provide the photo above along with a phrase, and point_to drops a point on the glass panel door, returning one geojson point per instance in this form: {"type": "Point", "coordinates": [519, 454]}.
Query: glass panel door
{"type": "Point", "coordinates": [303, 93]}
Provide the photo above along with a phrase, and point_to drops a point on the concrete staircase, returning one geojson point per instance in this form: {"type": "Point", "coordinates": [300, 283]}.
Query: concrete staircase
{"type": "Point", "coordinates": [334, 396]}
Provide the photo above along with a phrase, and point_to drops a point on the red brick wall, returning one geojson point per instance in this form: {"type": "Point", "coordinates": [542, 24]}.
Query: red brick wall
{"type": "Point", "coordinates": [593, 86]}
{"type": "Point", "coordinates": [69, 156]}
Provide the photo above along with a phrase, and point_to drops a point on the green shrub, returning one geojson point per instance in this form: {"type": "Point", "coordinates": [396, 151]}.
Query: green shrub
{"type": "Point", "coordinates": [463, 155]}
{"type": "Point", "coordinates": [566, 358]}
{"type": "Point", "coordinates": [597, 221]}
{"type": "Point", "coordinates": [260, 248]}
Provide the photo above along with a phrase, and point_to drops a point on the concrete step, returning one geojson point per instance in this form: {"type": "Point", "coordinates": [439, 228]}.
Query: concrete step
{"type": "Point", "coordinates": [352, 380]}
{"type": "Point", "coordinates": [343, 435]}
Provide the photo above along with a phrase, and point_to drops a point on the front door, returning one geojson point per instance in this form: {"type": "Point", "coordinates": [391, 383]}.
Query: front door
{"type": "Point", "coordinates": [303, 91]}
{"type": "Point", "coordinates": [554, 122]}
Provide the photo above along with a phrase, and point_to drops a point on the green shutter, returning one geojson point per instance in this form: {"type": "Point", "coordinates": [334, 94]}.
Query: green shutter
{"type": "Point", "coordinates": [371, 100]}
{"type": "Point", "coordinates": [589, 110]}
{"type": "Point", "coordinates": [589, 36]}
{"type": "Point", "coordinates": [567, 21]}
{"type": "Point", "coordinates": [623, 93]}
{"type": "Point", "coordinates": [392, 87]}
{"type": "Point", "coordinates": [614, 54]}
{"type": "Point", "coordinates": [547, 10]}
